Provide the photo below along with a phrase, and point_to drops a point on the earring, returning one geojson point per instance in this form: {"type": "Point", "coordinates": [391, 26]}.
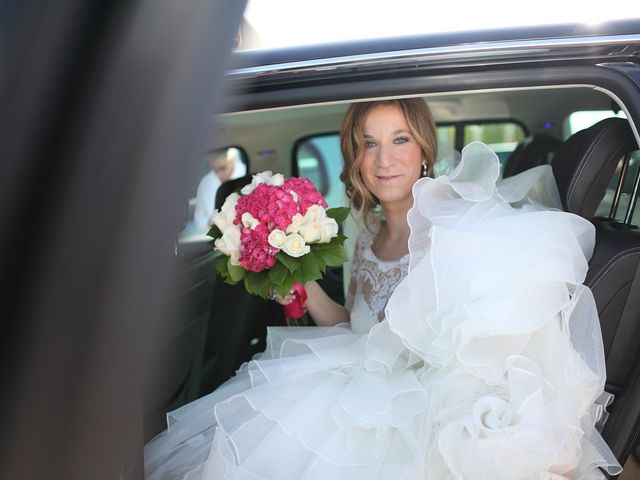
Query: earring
{"type": "Point", "coordinates": [423, 171]}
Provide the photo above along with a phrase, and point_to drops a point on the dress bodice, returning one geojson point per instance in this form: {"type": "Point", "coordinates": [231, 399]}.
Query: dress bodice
{"type": "Point", "coordinates": [372, 282]}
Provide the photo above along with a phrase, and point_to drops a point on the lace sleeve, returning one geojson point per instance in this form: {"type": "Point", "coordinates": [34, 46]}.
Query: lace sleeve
{"type": "Point", "coordinates": [356, 263]}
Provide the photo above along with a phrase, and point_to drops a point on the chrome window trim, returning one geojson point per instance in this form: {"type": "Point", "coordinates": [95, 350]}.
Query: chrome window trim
{"type": "Point", "coordinates": [475, 51]}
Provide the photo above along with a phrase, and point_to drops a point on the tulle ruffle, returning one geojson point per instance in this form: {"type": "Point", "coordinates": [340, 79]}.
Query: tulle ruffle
{"type": "Point", "coordinates": [489, 364]}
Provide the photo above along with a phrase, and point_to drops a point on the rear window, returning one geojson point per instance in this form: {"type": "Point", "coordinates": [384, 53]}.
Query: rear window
{"type": "Point", "coordinates": [319, 159]}
{"type": "Point", "coordinates": [621, 211]}
{"type": "Point", "coordinates": [501, 137]}
{"type": "Point", "coordinates": [584, 119]}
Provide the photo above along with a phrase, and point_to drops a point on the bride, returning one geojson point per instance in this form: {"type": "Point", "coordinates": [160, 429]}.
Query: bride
{"type": "Point", "coordinates": [468, 348]}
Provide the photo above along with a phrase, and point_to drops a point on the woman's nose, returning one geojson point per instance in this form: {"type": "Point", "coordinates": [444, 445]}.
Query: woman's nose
{"type": "Point", "coordinates": [383, 157]}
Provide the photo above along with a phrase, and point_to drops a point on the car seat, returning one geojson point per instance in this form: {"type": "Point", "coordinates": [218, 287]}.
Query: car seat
{"type": "Point", "coordinates": [535, 150]}
{"type": "Point", "coordinates": [583, 167]}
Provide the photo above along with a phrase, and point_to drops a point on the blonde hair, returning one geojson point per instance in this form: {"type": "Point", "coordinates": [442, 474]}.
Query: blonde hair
{"type": "Point", "coordinates": [422, 128]}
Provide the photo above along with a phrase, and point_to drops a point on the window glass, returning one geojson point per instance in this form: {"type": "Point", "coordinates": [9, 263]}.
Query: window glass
{"type": "Point", "coordinates": [584, 119]}
{"type": "Point", "coordinates": [319, 159]}
{"type": "Point", "coordinates": [627, 189]}
{"type": "Point", "coordinates": [604, 209]}
{"type": "Point", "coordinates": [446, 135]}
{"type": "Point", "coordinates": [501, 137]}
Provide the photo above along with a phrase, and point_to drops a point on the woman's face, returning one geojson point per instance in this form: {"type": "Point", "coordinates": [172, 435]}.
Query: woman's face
{"type": "Point", "coordinates": [392, 158]}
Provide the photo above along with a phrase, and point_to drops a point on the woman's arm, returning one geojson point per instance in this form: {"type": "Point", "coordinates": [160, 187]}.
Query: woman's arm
{"type": "Point", "coordinates": [323, 310]}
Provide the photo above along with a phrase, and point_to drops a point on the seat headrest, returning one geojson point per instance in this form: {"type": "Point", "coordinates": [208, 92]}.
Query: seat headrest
{"type": "Point", "coordinates": [585, 163]}
{"type": "Point", "coordinates": [535, 150]}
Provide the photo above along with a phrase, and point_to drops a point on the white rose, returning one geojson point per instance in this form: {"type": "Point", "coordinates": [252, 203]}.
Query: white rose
{"type": "Point", "coordinates": [329, 229]}
{"type": "Point", "coordinates": [249, 221]}
{"type": "Point", "coordinates": [296, 222]}
{"type": "Point", "coordinates": [257, 179]}
{"type": "Point", "coordinates": [277, 238]}
{"type": "Point", "coordinates": [227, 214]}
{"type": "Point", "coordinates": [294, 245]}
{"type": "Point", "coordinates": [311, 232]}
{"type": "Point", "coordinates": [315, 213]}
{"type": "Point", "coordinates": [229, 242]}
{"type": "Point", "coordinates": [276, 180]}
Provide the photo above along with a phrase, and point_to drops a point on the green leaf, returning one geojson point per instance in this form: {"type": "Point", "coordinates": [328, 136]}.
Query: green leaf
{"type": "Point", "coordinates": [330, 254]}
{"type": "Point", "coordinates": [221, 266]}
{"type": "Point", "coordinates": [285, 286]}
{"type": "Point", "coordinates": [340, 214]}
{"type": "Point", "coordinates": [236, 273]}
{"type": "Point", "coordinates": [336, 241]}
{"type": "Point", "coordinates": [278, 273]}
{"type": "Point", "coordinates": [223, 270]}
{"type": "Point", "coordinates": [333, 256]}
{"type": "Point", "coordinates": [292, 264]}
{"type": "Point", "coordinates": [309, 269]}
{"type": "Point", "coordinates": [322, 264]}
{"type": "Point", "coordinates": [257, 283]}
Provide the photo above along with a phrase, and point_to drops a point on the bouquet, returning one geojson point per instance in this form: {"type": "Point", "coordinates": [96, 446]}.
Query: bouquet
{"type": "Point", "coordinates": [276, 235]}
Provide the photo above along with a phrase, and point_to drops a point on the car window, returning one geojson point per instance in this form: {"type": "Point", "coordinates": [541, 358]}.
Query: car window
{"type": "Point", "coordinates": [319, 159]}
{"type": "Point", "coordinates": [584, 119]}
{"type": "Point", "coordinates": [446, 135]}
{"type": "Point", "coordinates": [501, 137]}
{"type": "Point", "coordinates": [619, 213]}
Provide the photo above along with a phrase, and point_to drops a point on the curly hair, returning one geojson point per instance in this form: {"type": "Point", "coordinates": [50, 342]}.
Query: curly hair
{"type": "Point", "coordinates": [422, 127]}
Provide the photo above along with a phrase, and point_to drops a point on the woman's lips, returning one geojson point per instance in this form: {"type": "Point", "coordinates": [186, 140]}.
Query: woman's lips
{"type": "Point", "coordinates": [385, 178]}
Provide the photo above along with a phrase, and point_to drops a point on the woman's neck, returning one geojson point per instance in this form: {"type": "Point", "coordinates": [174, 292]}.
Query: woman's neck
{"type": "Point", "coordinates": [391, 241]}
{"type": "Point", "coordinates": [395, 217]}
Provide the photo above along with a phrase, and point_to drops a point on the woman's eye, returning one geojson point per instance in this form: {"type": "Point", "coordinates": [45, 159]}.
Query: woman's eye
{"type": "Point", "coordinates": [401, 140]}
{"type": "Point", "coordinates": [369, 144]}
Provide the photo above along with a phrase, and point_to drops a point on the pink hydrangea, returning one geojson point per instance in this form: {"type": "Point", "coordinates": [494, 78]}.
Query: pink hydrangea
{"type": "Point", "coordinates": [274, 207]}
{"type": "Point", "coordinates": [306, 192]}
{"type": "Point", "coordinates": [255, 252]}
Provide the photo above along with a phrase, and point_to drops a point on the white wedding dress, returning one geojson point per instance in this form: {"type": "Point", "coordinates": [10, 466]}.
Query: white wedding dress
{"type": "Point", "coordinates": [488, 363]}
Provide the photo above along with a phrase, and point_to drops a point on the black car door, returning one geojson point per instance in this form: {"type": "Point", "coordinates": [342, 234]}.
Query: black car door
{"type": "Point", "coordinates": [104, 110]}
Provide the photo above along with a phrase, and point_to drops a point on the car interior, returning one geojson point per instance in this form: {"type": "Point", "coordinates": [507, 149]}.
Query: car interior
{"type": "Point", "coordinates": [580, 130]}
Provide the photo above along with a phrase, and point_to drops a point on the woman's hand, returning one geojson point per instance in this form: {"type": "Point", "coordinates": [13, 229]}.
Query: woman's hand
{"type": "Point", "coordinates": [286, 300]}
{"type": "Point", "coordinates": [321, 308]}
